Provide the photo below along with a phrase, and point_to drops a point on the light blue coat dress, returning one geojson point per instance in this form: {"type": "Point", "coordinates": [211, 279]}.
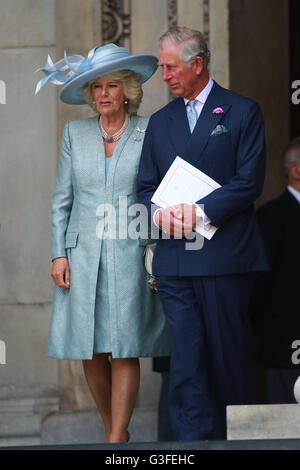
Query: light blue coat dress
{"type": "Point", "coordinates": [109, 307]}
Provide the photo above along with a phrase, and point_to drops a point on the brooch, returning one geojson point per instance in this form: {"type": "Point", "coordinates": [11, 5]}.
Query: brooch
{"type": "Point", "coordinates": [138, 134]}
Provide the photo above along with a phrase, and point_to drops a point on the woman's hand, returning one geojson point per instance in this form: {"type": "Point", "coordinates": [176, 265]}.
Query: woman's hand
{"type": "Point", "coordinates": [60, 272]}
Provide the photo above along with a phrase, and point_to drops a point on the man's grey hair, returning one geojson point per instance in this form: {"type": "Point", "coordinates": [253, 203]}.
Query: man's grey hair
{"type": "Point", "coordinates": [193, 44]}
{"type": "Point", "coordinates": [291, 155]}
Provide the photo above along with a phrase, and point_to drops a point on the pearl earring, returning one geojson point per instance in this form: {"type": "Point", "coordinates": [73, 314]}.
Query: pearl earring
{"type": "Point", "coordinates": [126, 101]}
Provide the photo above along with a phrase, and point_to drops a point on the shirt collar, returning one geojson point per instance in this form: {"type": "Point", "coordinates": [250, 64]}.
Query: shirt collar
{"type": "Point", "coordinates": [294, 192]}
{"type": "Point", "coordinates": [202, 97]}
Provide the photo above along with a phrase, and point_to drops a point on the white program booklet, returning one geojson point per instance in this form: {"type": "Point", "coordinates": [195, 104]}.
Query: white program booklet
{"type": "Point", "coordinates": [184, 183]}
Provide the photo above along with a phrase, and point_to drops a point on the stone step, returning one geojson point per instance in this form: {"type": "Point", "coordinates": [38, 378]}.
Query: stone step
{"type": "Point", "coordinates": [21, 418]}
{"type": "Point", "coordinates": [263, 422]}
{"type": "Point", "coordinates": [20, 441]}
{"type": "Point", "coordinates": [86, 427]}
{"type": "Point", "coordinates": [263, 444]}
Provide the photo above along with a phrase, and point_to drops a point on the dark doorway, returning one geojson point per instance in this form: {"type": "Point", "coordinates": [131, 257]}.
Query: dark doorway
{"type": "Point", "coordinates": [295, 63]}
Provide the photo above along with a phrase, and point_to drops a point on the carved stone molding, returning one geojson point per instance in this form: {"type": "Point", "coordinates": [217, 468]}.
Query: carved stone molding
{"type": "Point", "coordinates": [116, 22]}
{"type": "Point", "coordinates": [172, 21]}
{"type": "Point", "coordinates": [172, 13]}
{"type": "Point", "coordinates": [206, 20]}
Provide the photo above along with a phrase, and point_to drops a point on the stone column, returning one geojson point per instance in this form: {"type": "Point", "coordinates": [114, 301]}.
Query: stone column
{"type": "Point", "coordinates": [219, 42]}
{"type": "Point", "coordinates": [149, 21]}
{"type": "Point", "coordinates": [28, 379]}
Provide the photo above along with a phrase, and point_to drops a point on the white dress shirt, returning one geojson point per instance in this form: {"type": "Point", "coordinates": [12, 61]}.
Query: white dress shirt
{"type": "Point", "coordinates": [201, 98]}
{"type": "Point", "coordinates": [294, 192]}
{"type": "Point", "coordinates": [199, 103]}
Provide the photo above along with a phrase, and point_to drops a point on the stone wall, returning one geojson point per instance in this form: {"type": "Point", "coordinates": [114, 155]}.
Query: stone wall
{"type": "Point", "coordinates": [242, 36]}
{"type": "Point", "coordinates": [28, 167]}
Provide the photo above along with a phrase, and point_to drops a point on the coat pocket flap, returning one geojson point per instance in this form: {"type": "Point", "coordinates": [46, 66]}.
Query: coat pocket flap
{"type": "Point", "coordinates": [71, 239]}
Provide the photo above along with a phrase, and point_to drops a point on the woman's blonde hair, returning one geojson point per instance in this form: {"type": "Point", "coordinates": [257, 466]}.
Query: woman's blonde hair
{"type": "Point", "coordinates": [132, 89]}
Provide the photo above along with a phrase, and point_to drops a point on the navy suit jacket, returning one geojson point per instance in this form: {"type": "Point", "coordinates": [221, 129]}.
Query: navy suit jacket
{"type": "Point", "coordinates": [274, 307]}
{"type": "Point", "coordinates": [235, 159]}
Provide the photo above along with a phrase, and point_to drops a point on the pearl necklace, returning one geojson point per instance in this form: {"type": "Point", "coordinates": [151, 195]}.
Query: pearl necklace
{"type": "Point", "coordinates": [117, 135]}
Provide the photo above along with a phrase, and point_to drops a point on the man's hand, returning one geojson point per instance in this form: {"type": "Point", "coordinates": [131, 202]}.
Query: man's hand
{"type": "Point", "coordinates": [178, 220]}
{"type": "Point", "coordinates": [60, 272]}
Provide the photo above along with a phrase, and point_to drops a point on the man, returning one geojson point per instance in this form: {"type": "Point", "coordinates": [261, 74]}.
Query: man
{"type": "Point", "coordinates": [274, 307]}
{"type": "Point", "coordinates": [205, 291]}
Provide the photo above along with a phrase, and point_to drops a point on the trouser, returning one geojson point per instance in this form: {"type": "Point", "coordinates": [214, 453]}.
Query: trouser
{"type": "Point", "coordinates": [209, 354]}
{"type": "Point", "coordinates": [165, 431]}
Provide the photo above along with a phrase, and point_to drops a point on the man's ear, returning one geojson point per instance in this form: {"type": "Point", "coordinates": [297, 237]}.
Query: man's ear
{"type": "Point", "coordinates": [198, 65]}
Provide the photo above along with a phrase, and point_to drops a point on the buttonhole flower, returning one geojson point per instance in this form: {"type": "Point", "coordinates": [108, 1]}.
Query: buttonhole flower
{"type": "Point", "coordinates": [218, 111]}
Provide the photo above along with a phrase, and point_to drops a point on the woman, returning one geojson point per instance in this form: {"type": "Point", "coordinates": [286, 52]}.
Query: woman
{"type": "Point", "coordinates": [103, 311]}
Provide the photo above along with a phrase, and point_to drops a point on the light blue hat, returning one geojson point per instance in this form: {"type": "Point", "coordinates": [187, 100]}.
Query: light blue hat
{"type": "Point", "coordinates": [100, 61]}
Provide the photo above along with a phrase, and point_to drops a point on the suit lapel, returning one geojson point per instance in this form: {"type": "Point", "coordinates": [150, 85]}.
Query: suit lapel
{"type": "Point", "coordinates": [96, 155]}
{"type": "Point", "coordinates": [291, 203]}
{"type": "Point", "coordinates": [206, 122]}
{"type": "Point", "coordinates": [190, 146]}
{"type": "Point", "coordinates": [178, 126]}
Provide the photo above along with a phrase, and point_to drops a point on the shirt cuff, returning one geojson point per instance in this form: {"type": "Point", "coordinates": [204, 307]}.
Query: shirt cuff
{"type": "Point", "coordinates": [154, 214]}
{"type": "Point", "coordinates": [200, 212]}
